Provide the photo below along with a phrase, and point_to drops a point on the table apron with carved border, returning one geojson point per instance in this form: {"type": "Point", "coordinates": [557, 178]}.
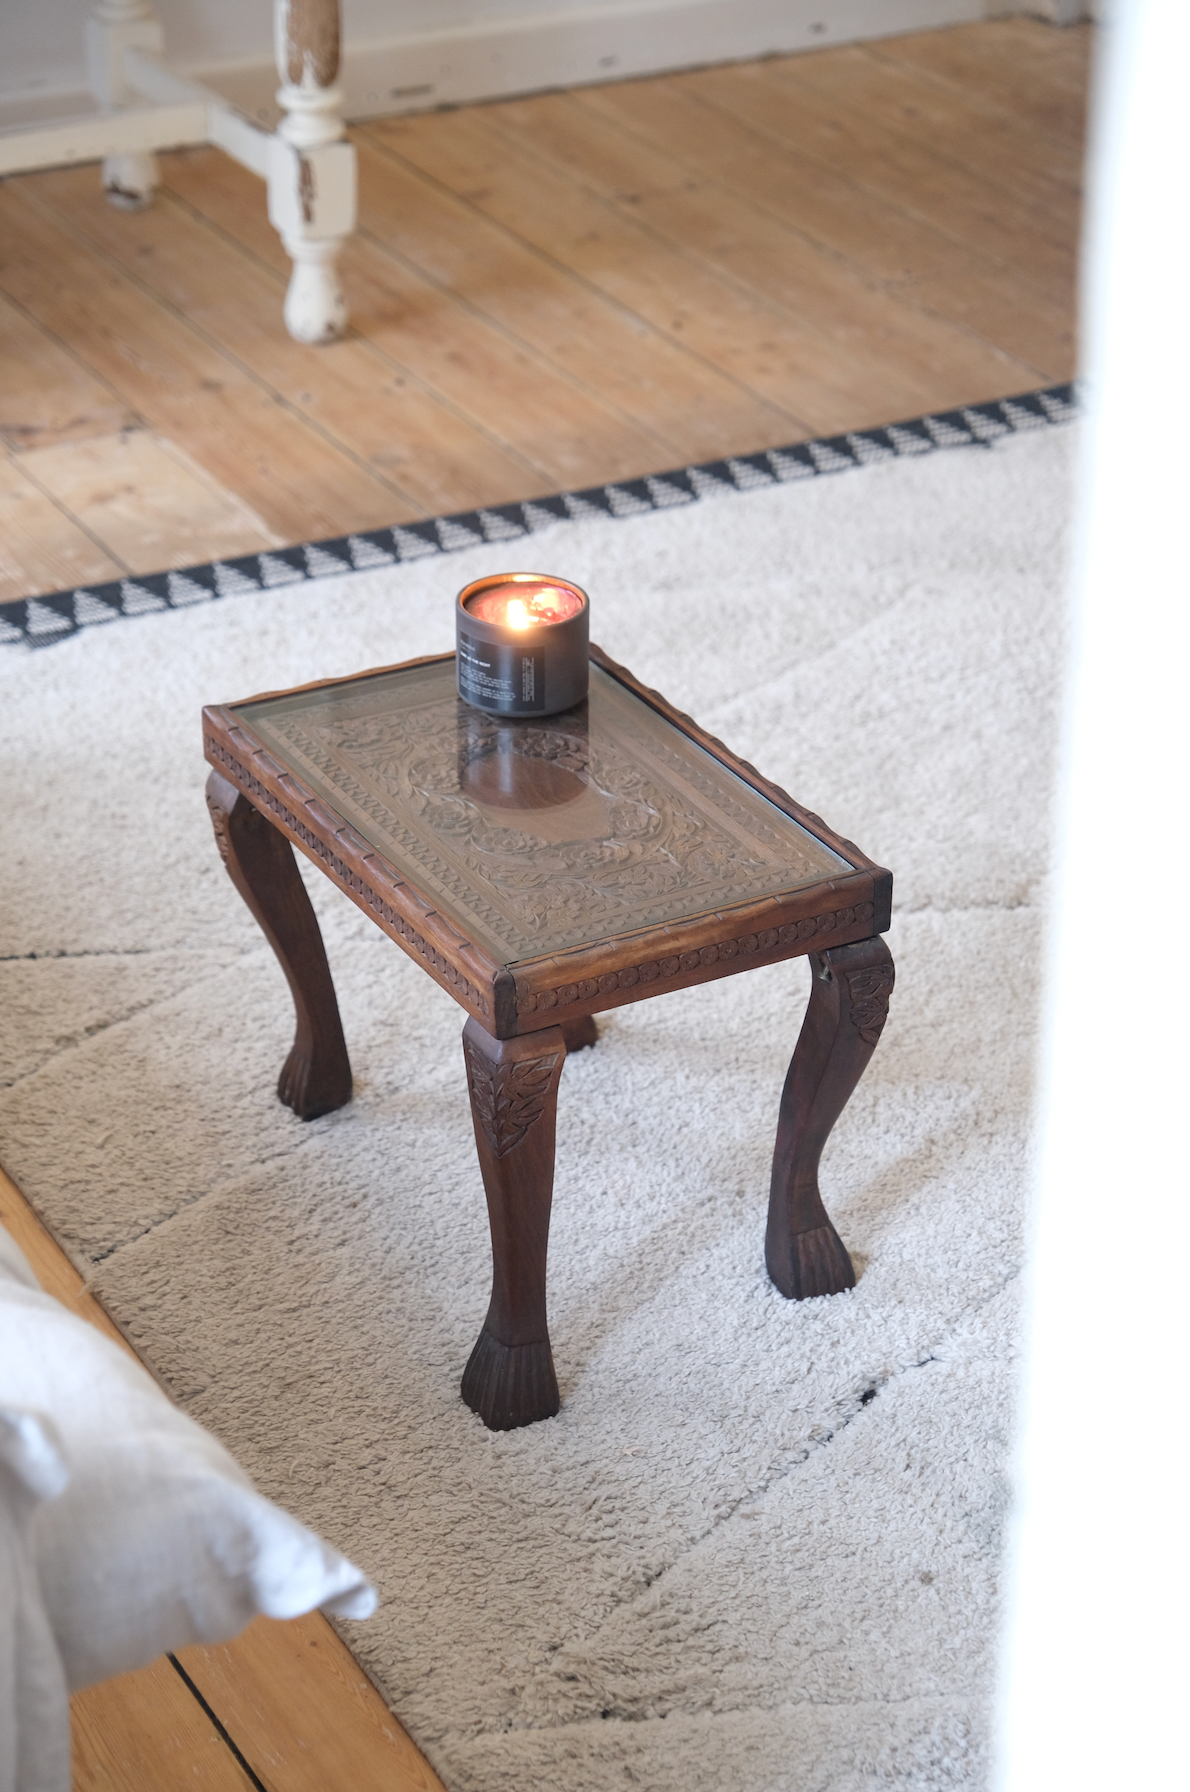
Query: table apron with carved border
{"type": "Point", "coordinates": [540, 993]}
{"type": "Point", "coordinates": [609, 975]}
{"type": "Point", "coordinates": [481, 986]}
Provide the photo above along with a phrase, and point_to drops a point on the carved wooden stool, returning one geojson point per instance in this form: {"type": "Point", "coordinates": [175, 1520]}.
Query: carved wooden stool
{"type": "Point", "coordinates": [543, 870]}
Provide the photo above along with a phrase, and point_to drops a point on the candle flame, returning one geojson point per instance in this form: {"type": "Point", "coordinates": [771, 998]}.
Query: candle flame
{"type": "Point", "coordinates": [525, 606]}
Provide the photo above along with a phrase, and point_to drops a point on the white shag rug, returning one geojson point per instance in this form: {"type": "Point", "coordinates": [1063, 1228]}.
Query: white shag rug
{"type": "Point", "coordinates": [759, 1547]}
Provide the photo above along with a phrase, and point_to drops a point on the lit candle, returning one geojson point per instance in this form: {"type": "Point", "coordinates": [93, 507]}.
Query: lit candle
{"type": "Point", "coordinates": [521, 642]}
{"type": "Point", "coordinates": [520, 605]}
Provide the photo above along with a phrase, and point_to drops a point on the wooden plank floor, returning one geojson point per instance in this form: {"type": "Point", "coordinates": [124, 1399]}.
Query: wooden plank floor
{"type": "Point", "coordinates": [545, 293]}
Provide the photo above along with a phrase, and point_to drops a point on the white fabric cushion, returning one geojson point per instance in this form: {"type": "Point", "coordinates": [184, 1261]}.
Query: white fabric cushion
{"type": "Point", "coordinates": [156, 1538]}
{"type": "Point", "coordinates": [34, 1713]}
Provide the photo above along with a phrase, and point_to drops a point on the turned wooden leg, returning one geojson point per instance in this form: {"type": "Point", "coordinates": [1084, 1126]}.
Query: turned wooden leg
{"type": "Point", "coordinates": [847, 1010]}
{"type": "Point", "coordinates": [510, 1378]}
{"type": "Point", "coordinates": [114, 28]}
{"type": "Point", "coordinates": [316, 1076]}
{"type": "Point", "coordinates": [311, 167]}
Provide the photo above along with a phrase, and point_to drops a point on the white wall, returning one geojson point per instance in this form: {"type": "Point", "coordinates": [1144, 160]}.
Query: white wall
{"type": "Point", "coordinates": [1096, 1661]}
{"type": "Point", "coordinates": [41, 40]}
{"type": "Point", "coordinates": [453, 50]}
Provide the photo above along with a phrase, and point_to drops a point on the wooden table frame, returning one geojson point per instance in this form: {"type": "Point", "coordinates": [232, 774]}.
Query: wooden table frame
{"type": "Point", "coordinates": [521, 1025]}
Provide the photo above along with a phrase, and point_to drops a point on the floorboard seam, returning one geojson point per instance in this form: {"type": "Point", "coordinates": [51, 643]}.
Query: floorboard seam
{"type": "Point", "coordinates": [176, 1665]}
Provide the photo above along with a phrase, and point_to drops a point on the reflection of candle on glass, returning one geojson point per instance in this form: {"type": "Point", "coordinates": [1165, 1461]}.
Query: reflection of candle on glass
{"type": "Point", "coordinates": [523, 763]}
{"type": "Point", "coordinates": [522, 644]}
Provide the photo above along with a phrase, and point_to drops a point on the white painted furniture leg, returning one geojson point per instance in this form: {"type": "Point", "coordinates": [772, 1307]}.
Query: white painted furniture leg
{"type": "Point", "coordinates": [114, 27]}
{"type": "Point", "coordinates": [311, 170]}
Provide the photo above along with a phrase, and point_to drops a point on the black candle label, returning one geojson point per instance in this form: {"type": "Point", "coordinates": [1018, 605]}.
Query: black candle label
{"type": "Point", "coordinates": [498, 676]}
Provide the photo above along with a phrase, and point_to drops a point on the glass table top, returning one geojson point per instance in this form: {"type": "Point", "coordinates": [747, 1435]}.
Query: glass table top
{"type": "Point", "coordinates": [537, 835]}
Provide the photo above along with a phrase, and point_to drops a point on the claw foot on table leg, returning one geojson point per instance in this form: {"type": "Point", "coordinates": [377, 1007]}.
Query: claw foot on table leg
{"type": "Point", "coordinates": [813, 1263]}
{"type": "Point", "coordinates": [510, 1385]}
{"type": "Point", "coordinates": [313, 1087]}
{"type": "Point", "coordinates": [513, 1084]}
{"type": "Point", "coordinates": [846, 1013]}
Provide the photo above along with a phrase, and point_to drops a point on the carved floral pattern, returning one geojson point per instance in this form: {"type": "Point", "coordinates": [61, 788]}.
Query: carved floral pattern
{"type": "Point", "coordinates": [531, 1001]}
{"type": "Point", "coordinates": [508, 1098]}
{"type": "Point", "coordinates": [219, 823]}
{"type": "Point", "coordinates": [655, 845]}
{"type": "Point", "coordinates": [662, 830]}
{"type": "Point", "coordinates": [869, 992]}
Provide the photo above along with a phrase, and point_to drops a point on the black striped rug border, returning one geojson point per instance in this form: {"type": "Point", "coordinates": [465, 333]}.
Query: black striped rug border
{"type": "Point", "coordinates": [42, 621]}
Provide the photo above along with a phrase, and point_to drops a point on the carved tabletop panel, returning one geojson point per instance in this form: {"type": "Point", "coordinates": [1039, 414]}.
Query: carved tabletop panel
{"type": "Point", "coordinates": [538, 835]}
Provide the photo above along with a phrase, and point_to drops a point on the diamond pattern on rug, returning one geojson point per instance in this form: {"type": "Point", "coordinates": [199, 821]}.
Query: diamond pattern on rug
{"type": "Point", "coordinates": [829, 458]}
{"type": "Point", "coordinates": [43, 619]}
{"type": "Point", "coordinates": [411, 546]}
{"type": "Point", "coordinates": [748, 474]}
{"type": "Point", "coordinates": [322, 565]}
{"type": "Point", "coordinates": [580, 509]}
{"type": "Point", "coordinates": [624, 501]}
{"type": "Point", "coordinates": [89, 608]}
{"type": "Point", "coordinates": [231, 582]}
{"type": "Point", "coordinates": [275, 571]}
{"type": "Point", "coordinates": [140, 601]}
{"type": "Point", "coordinates": [498, 527]}
{"type": "Point", "coordinates": [366, 553]}
{"type": "Point", "coordinates": [454, 534]}
{"type": "Point", "coordinates": [183, 590]}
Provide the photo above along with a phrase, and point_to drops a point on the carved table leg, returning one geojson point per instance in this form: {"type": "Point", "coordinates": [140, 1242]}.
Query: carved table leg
{"type": "Point", "coordinates": [847, 1010]}
{"type": "Point", "coordinates": [316, 1076]}
{"type": "Point", "coordinates": [510, 1379]}
{"type": "Point", "coordinates": [579, 1034]}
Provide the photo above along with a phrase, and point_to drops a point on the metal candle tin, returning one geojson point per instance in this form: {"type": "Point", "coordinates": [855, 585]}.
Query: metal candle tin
{"type": "Point", "coordinates": [535, 670]}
